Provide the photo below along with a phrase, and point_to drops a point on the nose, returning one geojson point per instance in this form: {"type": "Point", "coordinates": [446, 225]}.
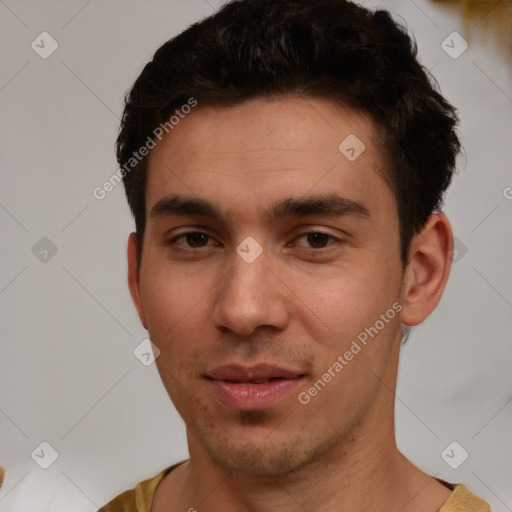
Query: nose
{"type": "Point", "coordinates": [249, 296]}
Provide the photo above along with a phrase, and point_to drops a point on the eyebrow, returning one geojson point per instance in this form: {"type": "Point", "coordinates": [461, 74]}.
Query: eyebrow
{"type": "Point", "coordinates": [328, 205]}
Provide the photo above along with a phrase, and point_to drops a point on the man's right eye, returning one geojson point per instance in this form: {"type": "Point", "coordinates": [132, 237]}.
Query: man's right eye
{"type": "Point", "coordinates": [193, 239]}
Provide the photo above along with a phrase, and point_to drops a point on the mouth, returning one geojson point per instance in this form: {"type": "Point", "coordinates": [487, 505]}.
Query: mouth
{"type": "Point", "coordinates": [252, 388]}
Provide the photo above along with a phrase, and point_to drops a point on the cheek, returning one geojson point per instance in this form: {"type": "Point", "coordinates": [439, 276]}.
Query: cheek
{"type": "Point", "coordinates": [352, 364]}
{"type": "Point", "coordinates": [346, 301]}
{"type": "Point", "coordinates": [173, 303]}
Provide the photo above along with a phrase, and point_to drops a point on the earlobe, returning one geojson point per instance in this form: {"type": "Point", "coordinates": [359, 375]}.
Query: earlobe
{"type": "Point", "coordinates": [134, 276]}
{"type": "Point", "coordinates": [428, 268]}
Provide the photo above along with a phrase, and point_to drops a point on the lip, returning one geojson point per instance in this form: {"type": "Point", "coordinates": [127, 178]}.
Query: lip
{"type": "Point", "coordinates": [232, 385]}
{"type": "Point", "coordinates": [261, 371]}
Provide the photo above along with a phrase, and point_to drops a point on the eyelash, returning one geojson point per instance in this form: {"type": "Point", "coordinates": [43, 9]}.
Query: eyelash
{"type": "Point", "coordinates": [173, 241]}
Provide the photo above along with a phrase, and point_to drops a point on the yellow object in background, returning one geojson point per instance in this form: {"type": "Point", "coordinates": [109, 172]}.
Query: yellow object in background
{"type": "Point", "coordinates": [486, 16]}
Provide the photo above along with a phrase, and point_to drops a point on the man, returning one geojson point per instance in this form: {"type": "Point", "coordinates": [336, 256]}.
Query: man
{"type": "Point", "coordinates": [285, 162]}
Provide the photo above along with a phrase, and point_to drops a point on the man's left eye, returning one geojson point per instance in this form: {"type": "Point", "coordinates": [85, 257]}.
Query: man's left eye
{"type": "Point", "coordinates": [317, 239]}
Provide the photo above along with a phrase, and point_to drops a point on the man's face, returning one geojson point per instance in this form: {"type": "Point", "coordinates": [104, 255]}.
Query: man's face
{"type": "Point", "coordinates": [244, 340]}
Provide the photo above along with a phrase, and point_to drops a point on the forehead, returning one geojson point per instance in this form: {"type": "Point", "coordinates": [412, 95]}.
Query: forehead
{"type": "Point", "coordinates": [262, 149]}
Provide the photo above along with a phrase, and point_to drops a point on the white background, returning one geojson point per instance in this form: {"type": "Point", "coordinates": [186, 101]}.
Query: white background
{"type": "Point", "coordinates": [68, 375]}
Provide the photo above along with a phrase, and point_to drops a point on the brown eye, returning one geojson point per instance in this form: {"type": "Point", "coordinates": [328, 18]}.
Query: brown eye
{"type": "Point", "coordinates": [317, 240]}
{"type": "Point", "coordinates": [192, 240]}
{"type": "Point", "coordinates": [196, 239]}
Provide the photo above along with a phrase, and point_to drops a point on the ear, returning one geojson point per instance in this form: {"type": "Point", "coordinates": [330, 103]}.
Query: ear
{"type": "Point", "coordinates": [133, 276]}
{"type": "Point", "coordinates": [428, 267]}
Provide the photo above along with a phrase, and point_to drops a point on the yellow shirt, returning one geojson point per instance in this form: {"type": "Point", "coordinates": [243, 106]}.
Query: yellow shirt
{"type": "Point", "coordinates": [140, 498]}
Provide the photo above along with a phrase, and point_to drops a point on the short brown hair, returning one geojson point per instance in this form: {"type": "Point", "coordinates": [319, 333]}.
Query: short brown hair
{"type": "Point", "coordinates": [329, 48]}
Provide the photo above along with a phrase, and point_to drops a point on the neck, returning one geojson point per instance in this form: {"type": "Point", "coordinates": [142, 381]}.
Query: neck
{"type": "Point", "coordinates": [367, 470]}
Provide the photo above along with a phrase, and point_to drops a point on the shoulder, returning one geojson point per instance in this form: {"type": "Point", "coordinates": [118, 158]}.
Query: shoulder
{"type": "Point", "coordinates": [139, 498]}
{"type": "Point", "coordinates": [463, 500]}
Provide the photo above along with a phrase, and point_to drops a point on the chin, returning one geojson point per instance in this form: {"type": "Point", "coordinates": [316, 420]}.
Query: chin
{"type": "Point", "coordinates": [268, 454]}
{"type": "Point", "coordinates": [254, 460]}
